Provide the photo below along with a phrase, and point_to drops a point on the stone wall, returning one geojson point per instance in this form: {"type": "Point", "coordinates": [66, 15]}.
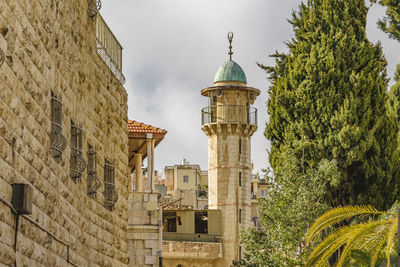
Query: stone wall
{"type": "Point", "coordinates": [143, 231]}
{"type": "Point", "coordinates": [50, 46]}
{"type": "Point", "coordinates": [191, 254]}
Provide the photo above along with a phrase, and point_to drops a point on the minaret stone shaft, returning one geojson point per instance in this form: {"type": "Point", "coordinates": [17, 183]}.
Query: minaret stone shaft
{"type": "Point", "coordinates": [229, 121]}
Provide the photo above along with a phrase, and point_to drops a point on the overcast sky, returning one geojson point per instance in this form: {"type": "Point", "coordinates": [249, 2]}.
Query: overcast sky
{"type": "Point", "coordinates": [173, 48]}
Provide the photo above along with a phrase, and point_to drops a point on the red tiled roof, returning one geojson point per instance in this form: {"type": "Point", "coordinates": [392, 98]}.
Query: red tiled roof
{"type": "Point", "coordinates": [140, 127]}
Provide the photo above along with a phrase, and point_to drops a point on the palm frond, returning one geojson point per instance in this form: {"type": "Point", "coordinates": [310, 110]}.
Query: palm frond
{"type": "Point", "coordinates": [331, 242]}
{"type": "Point", "coordinates": [390, 239]}
{"type": "Point", "coordinates": [336, 215]}
{"type": "Point", "coordinates": [354, 235]}
{"type": "Point", "coordinates": [361, 257]}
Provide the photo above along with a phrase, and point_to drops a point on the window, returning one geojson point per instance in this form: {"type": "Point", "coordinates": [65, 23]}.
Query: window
{"type": "Point", "coordinates": [185, 179]}
{"type": "Point", "coordinates": [240, 216]}
{"type": "Point", "coordinates": [77, 163]}
{"type": "Point", "coordinates": [264, 193]}
{"type": "Point", "coordinates": [93, 182]}
{"type": "Point", "coordinates": [110, 195]}
{"type": "Point", "coordinates": [240, 178]}
{"type": "Point", "coordinates": [57, 140]}
{"type": "Point", "coordinates": [169, 222]}
{"type": "Point", "coordinates": [201, 222]}
{"type": "Point", "coordinates": [240, 146]}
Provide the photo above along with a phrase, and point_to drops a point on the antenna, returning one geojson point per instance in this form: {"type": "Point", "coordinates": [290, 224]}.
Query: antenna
{"type": "Point", "coordinates": [230, 37]}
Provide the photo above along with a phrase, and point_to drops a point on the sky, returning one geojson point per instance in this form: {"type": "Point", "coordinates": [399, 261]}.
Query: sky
{"type": "Point", "coordinates": [172, 50]}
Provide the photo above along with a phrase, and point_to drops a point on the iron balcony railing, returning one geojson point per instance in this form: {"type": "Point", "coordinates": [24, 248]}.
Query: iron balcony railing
{"type": "Point", "coordinates": [109, 49]}
{"type": "Point", "coordinates": [229, 114]}
{"type": "Point", "coordinates": [172, 236]}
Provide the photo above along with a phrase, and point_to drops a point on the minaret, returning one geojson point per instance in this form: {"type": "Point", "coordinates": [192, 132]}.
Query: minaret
{"type": "Point", "coordinates": [229, 121]}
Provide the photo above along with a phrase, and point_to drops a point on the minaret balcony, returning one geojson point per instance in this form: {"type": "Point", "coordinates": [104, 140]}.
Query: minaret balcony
{"type": "Point", "coordinates": [229, 114]}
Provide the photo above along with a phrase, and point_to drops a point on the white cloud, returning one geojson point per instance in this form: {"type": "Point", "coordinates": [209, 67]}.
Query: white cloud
{"type": "Point", "coordinates": [172, 50]}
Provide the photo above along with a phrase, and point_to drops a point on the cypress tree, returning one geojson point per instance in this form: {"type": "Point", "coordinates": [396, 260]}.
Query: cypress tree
{"type": "Point", "coordinates": [391, 22]}
{"type": "Point", "coordinates": [327, 101]}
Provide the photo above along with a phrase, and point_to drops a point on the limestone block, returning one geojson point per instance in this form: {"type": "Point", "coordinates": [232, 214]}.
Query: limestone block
{"type": "Point", "coordinates": [150, 260]}
{"type": "Point", "coordinates": [151, 243]}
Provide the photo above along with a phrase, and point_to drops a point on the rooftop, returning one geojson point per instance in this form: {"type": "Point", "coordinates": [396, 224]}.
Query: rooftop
{"type": "Point", "coordinates": [140, 127]}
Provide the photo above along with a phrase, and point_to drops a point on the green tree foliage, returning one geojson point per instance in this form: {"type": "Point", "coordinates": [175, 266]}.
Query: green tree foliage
{"type": "Point", "coordinates": [333, 137]}
{"type": "Point", "coordinates": [363, 244]}
{"type": "Point", "coordinates": [391, 25]}
{"type": "Point", "coordinates": [294, 201]}
{"type": "Point", "coordinates": [391, 22]}
{"type": "Point", "coordinates": [327, 101]}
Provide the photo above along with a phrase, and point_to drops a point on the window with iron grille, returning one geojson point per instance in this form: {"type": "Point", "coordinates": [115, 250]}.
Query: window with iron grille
{"type": "Point", "coordinates": [93, 182]}
{"type": "Point", "coordinates": [110, 195]}
{"type": "Point", "coordinates": [58, 141]}
{"type": "Point", "coordinates": [77, 162]}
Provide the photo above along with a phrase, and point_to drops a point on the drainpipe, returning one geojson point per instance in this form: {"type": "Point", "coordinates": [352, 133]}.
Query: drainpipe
{"type": "Point", "coordinates": [160, 234]}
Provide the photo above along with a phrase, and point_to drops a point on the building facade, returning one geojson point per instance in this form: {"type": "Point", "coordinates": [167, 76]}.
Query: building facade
{"type": "Point", "coordinates": [186, 186]}
{"type": "Point", "coordinates": [144, 229]}
{"type": "Point", "coordinates": [63, 133]}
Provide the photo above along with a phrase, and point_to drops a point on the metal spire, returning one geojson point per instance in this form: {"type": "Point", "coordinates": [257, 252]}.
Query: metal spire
{"type": "Point", "coordinates": [230, 37]}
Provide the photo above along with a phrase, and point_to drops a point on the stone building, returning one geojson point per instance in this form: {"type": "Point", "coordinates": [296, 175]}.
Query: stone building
{"type": "Point", "coordinates": [229, 121]}
{"type": "Point", "coordinates": [144, 229]}
{"type": "Point", "coordinates": [63, 132]}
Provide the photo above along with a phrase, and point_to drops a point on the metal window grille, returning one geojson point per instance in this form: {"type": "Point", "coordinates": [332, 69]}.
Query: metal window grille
{"type": "Point", "coordinates": [93, 182]}
{"type": "Point", "coordinates": [58, 141]}
{"type": "Point", "coordinates": [93, 8]}
{"type": "Point", "coordinates": [2, 57]}
{"type": "Point", "coordinates": [77, 162]}
{"type": "Point", "coordinates": [110, 195]}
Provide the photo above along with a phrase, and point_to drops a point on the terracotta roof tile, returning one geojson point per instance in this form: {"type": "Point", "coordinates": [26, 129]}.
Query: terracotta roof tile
{"type": "Point", "coordinates": [140, 127]}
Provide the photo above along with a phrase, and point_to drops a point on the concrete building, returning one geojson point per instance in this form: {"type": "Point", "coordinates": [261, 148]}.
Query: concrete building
{"type": "Point", "coordinates": [258, 189]}
{"type": "Point", "coordinates": [186, 186]}
{"type": "Point", "coordinates": [63, 134]}
{"type": "Point", "coordinates": [191, 238]}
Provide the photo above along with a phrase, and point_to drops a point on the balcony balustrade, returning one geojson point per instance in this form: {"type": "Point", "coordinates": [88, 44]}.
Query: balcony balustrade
{"type": "Point", "coordinates": [173, 236]}
{"type": "Point", "coordinates": [109, 49]}
{"type": "Point", "coordinates": [229, 114]}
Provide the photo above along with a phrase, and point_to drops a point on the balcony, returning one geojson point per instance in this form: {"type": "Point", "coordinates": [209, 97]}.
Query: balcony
{"type": "Point", "coordinates": [229, 114]}
{"type": "Point", "coordinates": [172, 236]}
{"type": "Point", "coordinates": [109, 49]}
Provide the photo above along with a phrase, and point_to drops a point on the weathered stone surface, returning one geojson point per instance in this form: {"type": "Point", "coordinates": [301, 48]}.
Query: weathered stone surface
{"type": "Point", "coordinates": [50, 46]}
{"type": "Point", "coordinates": [142, 237]}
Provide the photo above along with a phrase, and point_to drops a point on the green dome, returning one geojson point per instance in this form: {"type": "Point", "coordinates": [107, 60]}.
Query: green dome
{"type": "Point", "coordinates": [230, 71]}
